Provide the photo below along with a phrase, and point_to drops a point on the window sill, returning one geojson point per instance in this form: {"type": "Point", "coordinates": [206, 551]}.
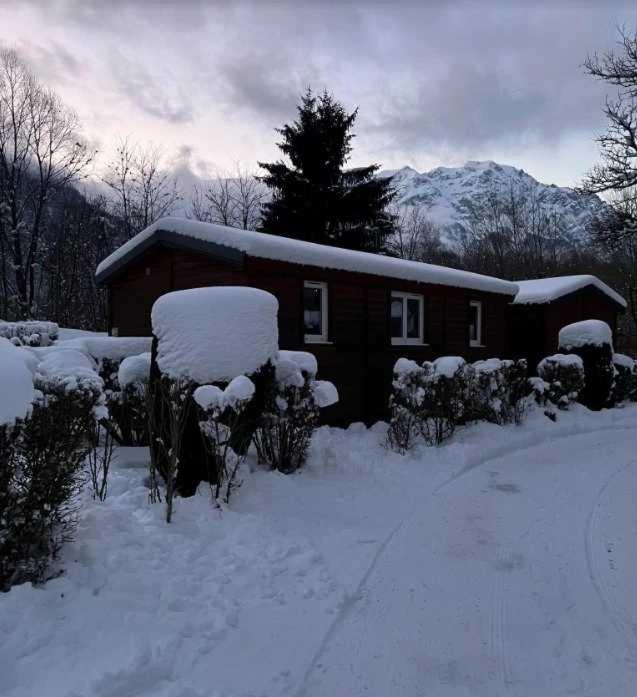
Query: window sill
{"type": "Point", "coordinates": [477, 345]}
{"type": "Point", "coordinates": [408, 345]}
{"type": "Point", "coordinates": [317, 342]}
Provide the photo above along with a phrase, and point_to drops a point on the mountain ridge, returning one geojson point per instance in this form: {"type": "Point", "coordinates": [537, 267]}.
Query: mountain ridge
{"type": "Point", "coordinates": [450, 195]}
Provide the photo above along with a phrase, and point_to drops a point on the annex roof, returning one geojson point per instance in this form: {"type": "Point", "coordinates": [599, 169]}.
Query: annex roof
{"type": "Point", "coordinates": [546, 290]}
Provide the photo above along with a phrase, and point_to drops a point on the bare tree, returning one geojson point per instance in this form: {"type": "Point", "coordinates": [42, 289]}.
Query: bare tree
{"type": "Point", "coordinates": [618, 145]}
{"type": "Point", "coordinates": [40, 153]}
{"type": "Point", "coordinates": [144, 190]}
{"type": "Point", "coordinates": [513, 235]}
{"type": "Point", "coordinates": [231, 199]}
{"type": "Point", "coordinates": [417, 237]}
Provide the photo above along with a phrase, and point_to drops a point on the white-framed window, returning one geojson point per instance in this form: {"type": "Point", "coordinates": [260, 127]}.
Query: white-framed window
{"type": "Point", "coordinates": [315, 311]}
{"type": "Point", "coordinates": [475, 323]}
{"type": "Point", "coordinates": [407, 318]}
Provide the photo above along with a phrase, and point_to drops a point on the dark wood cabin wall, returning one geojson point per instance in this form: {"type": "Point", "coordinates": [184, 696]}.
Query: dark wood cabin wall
{"type": "Point", "coordinates": [132, 293]}
{"type": "Point", "coordinates": [535, 329]}
{"type": "Point", "coordinates": [359, 357]}
{"type": "Point", "coordinates": [588, 303]}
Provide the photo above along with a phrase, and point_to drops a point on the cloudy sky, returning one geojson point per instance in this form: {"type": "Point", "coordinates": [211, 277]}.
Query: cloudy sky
{"type": "Point", "coordinates": [435, 82]}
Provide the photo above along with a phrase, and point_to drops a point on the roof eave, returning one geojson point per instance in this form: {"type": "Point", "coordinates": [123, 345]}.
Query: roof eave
{"type": "Point", "coordinates": [173, 240]}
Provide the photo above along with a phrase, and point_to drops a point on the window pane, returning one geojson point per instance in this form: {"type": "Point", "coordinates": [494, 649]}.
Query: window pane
{"type": "Point", "coordinates": [312, 310]}
{"type": "Point", "coordinates": [473, 323]}
{"type": "Point", "coordinates": [413, 318]}
{"type": "Point", "coordinates": [396, 318]}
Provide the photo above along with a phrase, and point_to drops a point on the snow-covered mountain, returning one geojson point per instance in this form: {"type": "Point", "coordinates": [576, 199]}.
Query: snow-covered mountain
{"type": "Point", "coordinates": [450, 193]}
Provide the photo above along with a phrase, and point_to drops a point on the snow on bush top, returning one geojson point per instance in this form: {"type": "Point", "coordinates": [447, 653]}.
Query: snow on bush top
{"type": "Point", "coordinates": [239, 390]}
{"type": "Point", "coordinates": [31, 332]}
{"type": "Point", "coordinates": [545, 290]}
{"type": "Point", "coordinates": [17, 392]}
{"type": "Point", "coordinates": [114, 348]}
{"type": "Point", "coordinates": [563, 359]}
{"type": "Point", "coordinates": [448, 366]}
{"type": "Point", "coordinates": [589, 332]}
{"type": "Point", "coordinates": [325, 393]}
{"type": "Point", "coordinates": [302, 359]}
{"type": "Point", "coordinates": [624, 361]}
{"type": "Point", "coordinates": [64, 362]}
{"type": "Point", "coordinates": [134, 369]}
{"type": "Point", "coordinates": [214, 334]}
{"type": "Point", "coordinates": [259, 244]}
{"type": "Point", "coordinates": [405, 365]}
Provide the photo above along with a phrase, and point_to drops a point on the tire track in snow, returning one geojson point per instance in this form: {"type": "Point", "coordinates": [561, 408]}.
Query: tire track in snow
{"type": "Point", "coordinates": [498, 626]}
{"type": "Point", "coordinates": [622, 626]}
{"type": "Point", "coordinates": [527, 443]}
{"type": "Point", "coordinates": [348, 605]}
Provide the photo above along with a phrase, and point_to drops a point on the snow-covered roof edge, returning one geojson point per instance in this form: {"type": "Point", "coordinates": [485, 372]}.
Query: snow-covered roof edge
{"type": "Point", "coordinates": [546, 290]}
{"type": "Point", "coordinates": [232, 244]}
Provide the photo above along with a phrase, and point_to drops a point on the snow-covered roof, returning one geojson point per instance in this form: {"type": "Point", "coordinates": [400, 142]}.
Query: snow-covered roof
{"type": "Point", "coordinates": [232, 243]}
{"type": "Point", "coordinates": [545, 290]}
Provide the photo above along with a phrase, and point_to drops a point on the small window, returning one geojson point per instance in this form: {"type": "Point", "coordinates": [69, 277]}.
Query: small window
{"type": "Point", "coordinates": [475, 323]}
{"type": "Point", "coordinates": [407, 319]}
{"type": "Point", "coordinates": [315, 311]}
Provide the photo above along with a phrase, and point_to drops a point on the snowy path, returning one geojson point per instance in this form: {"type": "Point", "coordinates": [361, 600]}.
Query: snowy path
{"type": "Point", "coordinates": [502, 583]}
{"type": "Point", "coordinates": [500, 565]}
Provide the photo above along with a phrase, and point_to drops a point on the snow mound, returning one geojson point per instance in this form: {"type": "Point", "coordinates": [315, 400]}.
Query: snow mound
{"type": "Point", "coordinates": [214, 334]}
{"type": "Point", "coordinates": [490, 365]}
{"type": "Point", "coordinates": [261, 245]}
{"type": "Point", "coordinates": [134, 369]}
{"type": "Point", "coordinates": [546, 290]}
{"type": "Point", "coordinates": [17, 392]}
{"type": "Point", "coordinates": [589, 332]}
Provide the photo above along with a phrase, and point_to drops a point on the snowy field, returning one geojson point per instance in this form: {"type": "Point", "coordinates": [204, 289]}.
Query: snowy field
{"type": "Point", "coordinates": [501, 564]}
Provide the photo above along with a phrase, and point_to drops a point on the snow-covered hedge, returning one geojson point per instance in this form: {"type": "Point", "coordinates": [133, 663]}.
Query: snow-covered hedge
{"type": "Point", "coordinates": [560, 380]}
{"type": "Point", "coordinates": [128, 400]}
{"type": "Point", "coordinates": [625, 384]}
{"type": "Point", "coordinates": [127, 407]}
{"type": "Point", "coordinates": [431, 399]}
{"type": "Point", "coordinates": [291, 411]}
{"type": "Point", "coordinates": [592, 341]}
{"type": "Point", "coordinates": [29, 333]}
{"type": "Point", "coordinates": [42, 448]}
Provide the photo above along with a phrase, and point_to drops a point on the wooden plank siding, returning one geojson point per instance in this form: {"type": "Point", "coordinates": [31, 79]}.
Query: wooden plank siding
{"type": "Point", "coordinates": [535, 328]}
{"type": "Point", "coordinates": [359, 356]}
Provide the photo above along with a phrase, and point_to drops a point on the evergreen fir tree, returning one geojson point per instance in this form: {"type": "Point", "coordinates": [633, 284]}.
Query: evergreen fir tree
{"type": "Point", "coordinates": [315, 199]}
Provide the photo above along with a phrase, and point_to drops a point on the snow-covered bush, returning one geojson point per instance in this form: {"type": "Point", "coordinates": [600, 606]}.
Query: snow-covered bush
{"type": "Point", "coordinates": [431, 399]}
{"type": "Point", "coordinates": [128, 400]}
{"type": "Point", "coordinates": [561, 379]}
{"type": "Point", "coordinates": [126, 403]}
{"type": "Point", "coordinates": [220, 420]}
{"type": "Point", "coordinates": [625, 385]}
{"type": "Point", "coordinates": [497, 390]}
{"type": "Point", "coordinates": [29, 333]}
{"type": "Point", "coordinates": [291, 411]}
{"type": "Point", "coordinates": [592, 341]}
{"type": "Point", "coordinates": [205, 337]}
{"type": "Point", "coordinates": [42, 452]}
{"type": "Point", "coordinates": [427, 400]}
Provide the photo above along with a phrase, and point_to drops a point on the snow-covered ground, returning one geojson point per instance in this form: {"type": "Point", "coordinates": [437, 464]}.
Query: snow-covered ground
{"type": "Point", "coordinates": [501, 564]}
